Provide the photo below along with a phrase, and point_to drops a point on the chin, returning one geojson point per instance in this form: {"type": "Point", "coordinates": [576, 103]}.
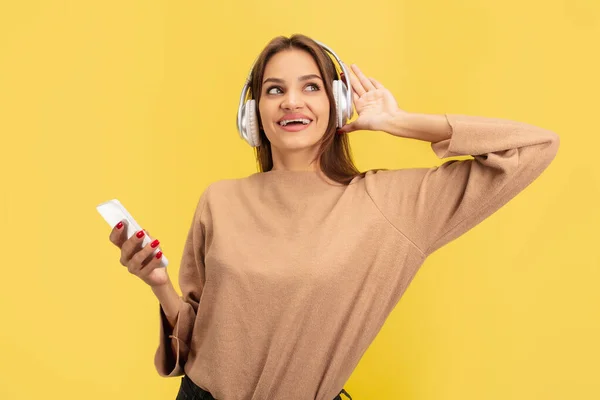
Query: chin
{"type": "Point", "coordinates": [293, 141]}
{"type": "Point", "coordinates": [297, 143]}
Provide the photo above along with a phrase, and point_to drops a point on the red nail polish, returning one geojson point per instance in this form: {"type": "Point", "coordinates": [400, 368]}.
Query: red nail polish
{"type": "Point", "coordinates": [154, 244]}
{"type": "Point", "coordinates": [159, 254]}
{"type": "Point", "coordinates": [140, 234]}
{"type": "Point", "coordinates": [120, 225]}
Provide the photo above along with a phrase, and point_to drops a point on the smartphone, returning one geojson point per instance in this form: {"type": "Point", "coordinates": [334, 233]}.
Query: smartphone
{"type": "Point", "coordinates": [113, 211]}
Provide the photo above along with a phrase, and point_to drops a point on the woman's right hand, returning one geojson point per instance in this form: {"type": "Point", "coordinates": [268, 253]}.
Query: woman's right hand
{"type": "Point", "coordinates": [139, 261]}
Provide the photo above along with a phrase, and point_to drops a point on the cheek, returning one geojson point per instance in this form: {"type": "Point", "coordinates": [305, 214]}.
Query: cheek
{"type": "Point", "coordinates": [265, 113]}
{"type": "Point", "coordinates": [323, 109]}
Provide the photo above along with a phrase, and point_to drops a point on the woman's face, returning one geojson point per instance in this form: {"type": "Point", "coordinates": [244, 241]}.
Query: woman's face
{"type": "Point", "coordinates": [294, 107]}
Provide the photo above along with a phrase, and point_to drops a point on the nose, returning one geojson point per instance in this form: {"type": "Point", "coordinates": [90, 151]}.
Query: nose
{"type": "Point", "coordinates": [292, 101]}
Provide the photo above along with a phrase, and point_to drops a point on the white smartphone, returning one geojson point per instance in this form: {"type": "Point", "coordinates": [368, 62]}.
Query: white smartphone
{"type": "Point", "coordinates": [113, 211]}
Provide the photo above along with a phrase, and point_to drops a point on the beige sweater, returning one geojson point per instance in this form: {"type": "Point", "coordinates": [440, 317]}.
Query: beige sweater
{"type": "Point", "coordinates": [287, 279]}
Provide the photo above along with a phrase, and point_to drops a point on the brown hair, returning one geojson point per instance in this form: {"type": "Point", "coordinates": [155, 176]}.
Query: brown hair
{"type": "Point", "coordinates": [334, 151]}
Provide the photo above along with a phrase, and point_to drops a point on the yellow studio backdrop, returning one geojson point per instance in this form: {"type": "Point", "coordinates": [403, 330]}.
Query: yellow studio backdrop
{"type": "Point", "coordinates": [136, 100]}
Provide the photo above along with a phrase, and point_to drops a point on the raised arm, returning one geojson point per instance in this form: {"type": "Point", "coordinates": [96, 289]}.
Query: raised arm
{"type": "Point", "coordinates": [433, 206]}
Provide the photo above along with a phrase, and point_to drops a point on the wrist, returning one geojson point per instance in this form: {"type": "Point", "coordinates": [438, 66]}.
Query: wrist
{"type": "Point", "coordinates": [398, 124]}
{"type": "Point", "coordinates": [427, 127]}
{"type": "Point", "coordinates": [168, 298]}
{"type": "Point", "coordinates": [163, 289]}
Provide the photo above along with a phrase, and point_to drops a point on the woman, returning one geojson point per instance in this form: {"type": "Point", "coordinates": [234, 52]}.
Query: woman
{"type": "Point", "coordinates": [289, 274]}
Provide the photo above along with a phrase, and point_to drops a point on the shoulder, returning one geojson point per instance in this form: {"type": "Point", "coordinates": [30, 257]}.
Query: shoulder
{"type": "Point", "coordinates": [387, 176]}
{"type": "Point", "coordinates": [222, 189]}
{"type": "Point", "coordinates": [215, 194]}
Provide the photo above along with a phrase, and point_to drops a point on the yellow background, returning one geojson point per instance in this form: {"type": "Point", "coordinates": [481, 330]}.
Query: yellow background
{"type": "Point", "coordinates": [137, 100]}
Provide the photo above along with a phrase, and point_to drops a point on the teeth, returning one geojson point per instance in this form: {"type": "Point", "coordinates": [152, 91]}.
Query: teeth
{"type": "Point", "coordinates": [287, 121]}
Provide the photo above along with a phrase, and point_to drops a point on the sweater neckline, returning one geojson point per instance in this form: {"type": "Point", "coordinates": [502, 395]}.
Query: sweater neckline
{"type": "Point", "coordinates": [304, 175]}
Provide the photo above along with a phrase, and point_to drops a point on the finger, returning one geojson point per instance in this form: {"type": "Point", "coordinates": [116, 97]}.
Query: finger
{"type": "Point", "coordinates": [376, 83]}
{"type": "Point", "coordinates": [351, 127]}
{"type": "Point", "coordinates": [355, 98]}
{"type": "Point", "coordinates": [366, 83]}
{"type": "Point", "coordinates": [343, 76]}
{"type": "Point", "coordinates": [153, 250]}
{"type": "Point", "coordinates": [151, 265]}
{"type": "Point", "coordinates": [131, 246]}
{"type": "Point", "coordinates": [357, 87]}
{"type": "Point", "coordinates": [142, 257]}
{"type": "Point", "coordinates": [118, 235]}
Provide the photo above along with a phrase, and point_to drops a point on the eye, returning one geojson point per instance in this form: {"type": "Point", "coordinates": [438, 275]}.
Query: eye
{"type": "Point", "coordinates": [315, 86]}
{"type": "Point", "coordinates": [277, 90]}
{"type": "Point", "coordinates": [273, 87]}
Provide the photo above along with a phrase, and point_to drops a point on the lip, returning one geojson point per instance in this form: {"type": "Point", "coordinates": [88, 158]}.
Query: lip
{"type": "Point", "coordinates": [294, 116]}
{"type": "Point", "coordinates": [295, 128]}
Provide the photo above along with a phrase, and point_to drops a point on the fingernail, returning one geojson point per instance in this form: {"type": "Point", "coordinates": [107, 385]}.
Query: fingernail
{"type": "Point", "coordinates": [140, 234]}
{"type": "Point", "coordinates": [120, 225]}
{"type": "Point", "coordinates": [339, 131]}
{"type": "Point", "coordinates": [154, 244]}
{"type": "Point", "coordinates": [159, 254]}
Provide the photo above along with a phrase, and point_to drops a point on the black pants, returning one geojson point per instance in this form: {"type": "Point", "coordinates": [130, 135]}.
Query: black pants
{"type": "Point", "coordinates": [190, 391]}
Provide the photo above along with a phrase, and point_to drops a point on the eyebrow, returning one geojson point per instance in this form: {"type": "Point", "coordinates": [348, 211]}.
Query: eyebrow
{"type": "Point", "coordinates": [302, 78]}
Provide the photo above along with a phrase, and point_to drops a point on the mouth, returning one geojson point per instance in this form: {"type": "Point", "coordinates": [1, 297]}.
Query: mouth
{"type": "Point", "coordinates": [294, 125]}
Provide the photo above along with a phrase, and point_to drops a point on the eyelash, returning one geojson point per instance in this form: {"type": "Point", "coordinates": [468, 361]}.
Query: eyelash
{"type": "Point", "coordinates": [317, 88]}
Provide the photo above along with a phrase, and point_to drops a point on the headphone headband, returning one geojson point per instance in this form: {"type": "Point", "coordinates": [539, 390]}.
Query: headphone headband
{"type": "Point", "coordinates": [346, 78]}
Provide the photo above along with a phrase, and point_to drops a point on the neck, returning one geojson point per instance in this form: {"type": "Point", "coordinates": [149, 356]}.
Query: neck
{"type": "Point", "coordinates": [299, 161]}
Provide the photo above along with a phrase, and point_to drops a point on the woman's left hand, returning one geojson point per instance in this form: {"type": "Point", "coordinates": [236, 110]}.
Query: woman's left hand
{"type": "Point", "coordinates": [375, 105]}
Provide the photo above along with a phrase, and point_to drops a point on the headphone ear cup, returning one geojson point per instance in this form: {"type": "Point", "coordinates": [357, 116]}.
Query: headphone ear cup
{"type": "Point", "coordinates": [251, 132]}
{"type": "Point", "coordinates": [341, 107]}
{"type": "Point", "coordinates": [336, 97]}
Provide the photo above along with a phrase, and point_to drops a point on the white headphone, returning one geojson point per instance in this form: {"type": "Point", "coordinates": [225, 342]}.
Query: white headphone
{"type": "Point", "coordinates": [247, 123]}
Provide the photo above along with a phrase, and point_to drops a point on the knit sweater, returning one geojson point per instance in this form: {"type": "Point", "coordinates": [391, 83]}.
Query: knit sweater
{"type": "Point", "coordinates": [287, 279]}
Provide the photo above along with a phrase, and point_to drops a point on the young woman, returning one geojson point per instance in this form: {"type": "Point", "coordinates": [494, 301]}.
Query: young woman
{"type": "Point", "coordinates": [288, 274]}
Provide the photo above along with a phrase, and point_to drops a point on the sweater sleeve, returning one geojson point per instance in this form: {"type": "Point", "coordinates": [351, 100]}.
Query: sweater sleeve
{"type": "Point", "coordinates": [191, 282]}
{"type": "Point", "coordinates": [433, 206]}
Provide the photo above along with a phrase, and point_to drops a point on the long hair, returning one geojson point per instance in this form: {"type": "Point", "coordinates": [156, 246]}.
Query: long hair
{"type": "Point", "coordinates": [334, 153]}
